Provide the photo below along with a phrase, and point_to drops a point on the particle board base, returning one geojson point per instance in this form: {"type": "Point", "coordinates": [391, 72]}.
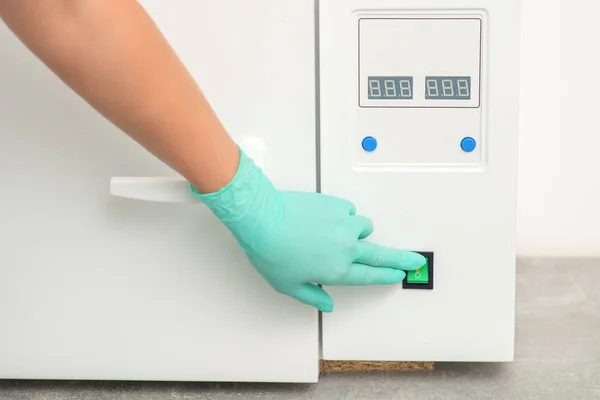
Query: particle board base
{"type": "Point", "coordinates": [328, 366]}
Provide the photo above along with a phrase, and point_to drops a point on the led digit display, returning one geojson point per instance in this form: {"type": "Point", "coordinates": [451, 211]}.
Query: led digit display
{"type": "Point", "coordinates": [448, 88]}
{"type": "Point", "coordinates": [390, 87]}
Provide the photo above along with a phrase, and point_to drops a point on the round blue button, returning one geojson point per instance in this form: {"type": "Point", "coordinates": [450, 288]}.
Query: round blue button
{"type": "Point", "coordinates": [468, 144]}
{"type": "Point", "coordinates": [369, 143]}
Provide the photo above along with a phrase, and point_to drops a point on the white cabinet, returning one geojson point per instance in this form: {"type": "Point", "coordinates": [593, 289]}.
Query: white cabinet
{"type": "Point", "coordinates": [418, 127]}
{"type": "Point", "coordinates": [94, 286]}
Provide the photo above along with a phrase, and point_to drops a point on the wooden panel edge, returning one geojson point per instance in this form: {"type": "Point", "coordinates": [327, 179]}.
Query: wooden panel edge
{"type": "Point", "coordinates": [328, 366]}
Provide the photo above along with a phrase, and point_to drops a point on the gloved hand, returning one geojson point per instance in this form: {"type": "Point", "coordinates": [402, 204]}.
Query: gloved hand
{"type": "Point", "coordinates": [296, 240]}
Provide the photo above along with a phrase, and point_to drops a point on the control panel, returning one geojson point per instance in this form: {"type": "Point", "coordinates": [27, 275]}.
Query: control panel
{"type": "Point", "coordinates": [419, 129]}
{"type": "Point", "coordinates": [421, 73]}
{"type": "Point", "coordinates": [439, 66]}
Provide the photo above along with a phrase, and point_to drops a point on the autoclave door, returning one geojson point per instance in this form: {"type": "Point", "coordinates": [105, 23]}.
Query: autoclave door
{"type": "Point", "coordinates": [101, 285]}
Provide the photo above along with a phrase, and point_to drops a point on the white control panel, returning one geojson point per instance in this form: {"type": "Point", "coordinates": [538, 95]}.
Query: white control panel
{"type": "Point", "coordinates": [419, 124]}
{"type": "Point", "coordinates": [423, 73]}
{"type": "Point", "coordinates": [419, 62]}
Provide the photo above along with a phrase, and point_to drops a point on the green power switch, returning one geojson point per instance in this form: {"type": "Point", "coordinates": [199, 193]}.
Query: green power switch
{"type": "Point", "coordinates": [420, 276]}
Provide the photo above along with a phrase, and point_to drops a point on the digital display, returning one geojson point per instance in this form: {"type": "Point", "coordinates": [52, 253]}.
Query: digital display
{"type": "Point", "coordinates": [435, 88]}
{"type": "Point", "coordinates": [390, 87]}
{"type": "Point", "coordinates": [448, 88]}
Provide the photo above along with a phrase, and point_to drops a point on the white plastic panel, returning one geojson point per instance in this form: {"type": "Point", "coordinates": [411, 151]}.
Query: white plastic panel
{"type": "Point", "coordinates": [448, 47]}
{"type": "Point", "coordinates": [96, 286]}
{"type": "Point", "coordinates": [423, 73]}
{"type": "Point", "coordinates": [421, 189]}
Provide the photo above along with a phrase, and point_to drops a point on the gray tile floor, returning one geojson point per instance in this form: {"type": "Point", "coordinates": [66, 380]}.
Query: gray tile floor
{"type": "Point", "coordinates": [558, 357]}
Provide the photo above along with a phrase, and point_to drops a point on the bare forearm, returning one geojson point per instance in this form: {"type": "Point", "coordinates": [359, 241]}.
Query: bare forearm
{"type": "Point", "coordinates": [111, 53]}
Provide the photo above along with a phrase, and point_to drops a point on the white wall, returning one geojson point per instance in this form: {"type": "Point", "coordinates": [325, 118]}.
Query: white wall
{"type": "Point", "coordinates": [560, 129]}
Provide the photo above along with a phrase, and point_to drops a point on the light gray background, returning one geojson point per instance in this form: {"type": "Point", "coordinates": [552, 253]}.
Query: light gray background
{"type": "Point", "coordinates": [557, 357]}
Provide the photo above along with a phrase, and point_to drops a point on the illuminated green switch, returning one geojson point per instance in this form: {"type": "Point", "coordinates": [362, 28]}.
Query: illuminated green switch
{"type": "Point", "coordinates": [423, 278]}
{"type": "Point", "coordinates": [420, 276]}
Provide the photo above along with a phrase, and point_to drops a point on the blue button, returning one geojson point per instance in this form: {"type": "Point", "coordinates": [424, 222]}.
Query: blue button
{"type": "Point", "coordinates": [468, 144]}
{"type": "Point", "coordinates": [369, 143]}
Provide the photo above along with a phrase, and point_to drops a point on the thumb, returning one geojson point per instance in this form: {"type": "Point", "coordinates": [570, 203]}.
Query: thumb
{"type": "Point", "coordinates": [315, 296]}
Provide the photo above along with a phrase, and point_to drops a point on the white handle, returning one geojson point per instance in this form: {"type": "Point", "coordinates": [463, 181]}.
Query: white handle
{"type": "Point", "coordinates": [164, 190]}
{"type": "Point", "coordinates": [173, 190]}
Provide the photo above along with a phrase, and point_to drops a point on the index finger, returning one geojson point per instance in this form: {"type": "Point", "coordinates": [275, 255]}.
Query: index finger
{"type": "Point", "coordinates": [381, 256]}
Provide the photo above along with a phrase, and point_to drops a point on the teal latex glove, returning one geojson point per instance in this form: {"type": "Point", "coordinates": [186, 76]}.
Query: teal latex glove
{"type": "Point", "coordinates": [297, 240]}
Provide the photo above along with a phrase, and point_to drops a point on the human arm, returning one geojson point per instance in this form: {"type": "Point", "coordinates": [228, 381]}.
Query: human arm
{"type": "Point", "coordinates": [111, 53]}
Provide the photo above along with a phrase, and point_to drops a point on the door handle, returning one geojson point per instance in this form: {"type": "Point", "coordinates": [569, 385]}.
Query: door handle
{"type": "Point", "coordinates": [159, 189]}
{"type": "Point", "coordinates": [175, 189]}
